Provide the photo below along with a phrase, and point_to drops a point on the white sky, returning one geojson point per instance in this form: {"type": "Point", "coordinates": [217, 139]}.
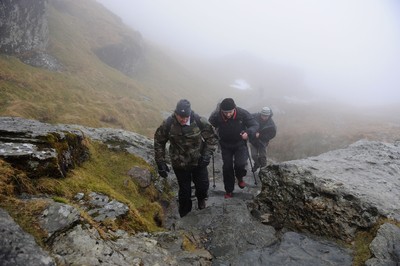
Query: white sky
{"type": "Point", "coordinates": [347, 47]}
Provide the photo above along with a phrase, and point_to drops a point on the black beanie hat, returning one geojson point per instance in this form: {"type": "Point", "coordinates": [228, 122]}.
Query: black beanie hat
{"type": "Point", "coordinates": [227, 104]}
{"type": "Point", "coordinates": [183, 108]}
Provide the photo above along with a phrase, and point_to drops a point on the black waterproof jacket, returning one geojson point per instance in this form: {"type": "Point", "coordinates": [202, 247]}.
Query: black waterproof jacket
{"type": "Point", "coordinates": [267, 130]}
{"type": "Point", "coordinates": [229, 130]}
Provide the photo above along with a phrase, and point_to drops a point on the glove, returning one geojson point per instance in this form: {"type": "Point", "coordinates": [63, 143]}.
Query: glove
{"type": "Point", "coordinates": [163, 169]}
{"type": "Point", "coordinates": [204, 160]}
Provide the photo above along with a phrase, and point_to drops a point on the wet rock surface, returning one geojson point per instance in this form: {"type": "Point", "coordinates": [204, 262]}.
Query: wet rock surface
{"type": "Point", "coordinates": [278, 221]}
{"type": "Point", "coordinates": [386, 246]}
{"type": "Point", "coordinates": [104, 208]}
{"type": "Point", "coordinates": [337, 193]}
{"type": "Point", "coordinates": [58, 217]}
{"type": "Point", "coordinates": [119, 139]}
{"type": "Point", "coordinates": [31, 145]}
{"type": "Point", "coordinates": [234, 237]}
{"type": "Point", "coordinates": [40, 149]}
{"type": "Point", "coordinates": [18, 247]}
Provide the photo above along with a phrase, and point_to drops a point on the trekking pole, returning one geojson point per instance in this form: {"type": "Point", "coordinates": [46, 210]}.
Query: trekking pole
{"type": "Point", "coordinates": [251, 164]}
{"type": "Point", "coordinates": [213, 170]}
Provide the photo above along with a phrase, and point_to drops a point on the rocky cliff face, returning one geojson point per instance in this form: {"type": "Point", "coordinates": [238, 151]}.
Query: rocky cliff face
{"type": "Point", "coordinates": [24, 32]}
{"type": "Point", "coordinates": [23, 26]}
{"type": "Point", "coordinates": [125, 56]}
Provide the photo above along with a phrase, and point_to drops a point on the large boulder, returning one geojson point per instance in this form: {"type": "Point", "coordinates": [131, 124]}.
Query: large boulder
{"type": "Point", "coordinates": [40, 149]}
{"type": "Point", "coordinates": [334, 194]}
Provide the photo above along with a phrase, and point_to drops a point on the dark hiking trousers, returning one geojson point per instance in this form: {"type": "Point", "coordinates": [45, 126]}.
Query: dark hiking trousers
{"type": "Point", "coordinates": [259, 155]}
{"type": "Point", "coordinates": [234, 164]}
{"type": "Point", "coordinates": [199, 176]}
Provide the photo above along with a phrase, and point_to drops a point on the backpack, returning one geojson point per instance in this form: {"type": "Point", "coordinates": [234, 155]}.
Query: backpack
{"type": "Point", "coordinates": [193, 115]}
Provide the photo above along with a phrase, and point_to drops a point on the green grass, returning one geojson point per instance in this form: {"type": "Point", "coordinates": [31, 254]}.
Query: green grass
{"type": "Point", "coordinates": [105, 172]}
{"type": "Point", "coordinates": [87, 91]}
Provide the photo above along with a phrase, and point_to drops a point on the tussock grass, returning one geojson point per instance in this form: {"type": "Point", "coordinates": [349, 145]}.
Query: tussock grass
{"type": "Point", "coordinates": [105, 172]}
{"type": "Point", "coordinates": [25, 214]}
{"type": "Point", "coordinates": [13, 181]}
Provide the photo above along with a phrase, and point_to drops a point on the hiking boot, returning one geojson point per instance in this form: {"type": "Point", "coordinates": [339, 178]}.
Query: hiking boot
{"type": "Point", "coordinates": [201, 204]}
{"type": "Point", "coordinates": [228, 195]}
{"type": "Point", "coordinates": [242, 184]}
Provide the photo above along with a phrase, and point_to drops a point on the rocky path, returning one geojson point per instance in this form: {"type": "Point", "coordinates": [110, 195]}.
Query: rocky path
{"type": "Point", "coordinates": [234, 237]}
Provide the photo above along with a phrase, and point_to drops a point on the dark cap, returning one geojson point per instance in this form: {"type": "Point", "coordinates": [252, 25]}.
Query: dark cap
{"type": "Point", "coordinates": [183, 108]}
{"type": "Point", "coordinates": [227, 104]}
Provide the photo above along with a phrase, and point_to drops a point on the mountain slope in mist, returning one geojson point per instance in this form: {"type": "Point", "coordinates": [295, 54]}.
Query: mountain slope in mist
{"type": "Point", "coordinates": [98, 87]}
{"type": "Point", "coordinates": [93, 88]}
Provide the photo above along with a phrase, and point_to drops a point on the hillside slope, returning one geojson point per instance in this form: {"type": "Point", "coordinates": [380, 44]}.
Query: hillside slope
{"type": "Point", "coordinates": [110, 76]}
{"type": "Point", "coordinates": [88, 91]}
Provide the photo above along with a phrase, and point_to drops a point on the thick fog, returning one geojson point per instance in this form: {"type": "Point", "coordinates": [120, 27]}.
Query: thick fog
{"type": "Point", "coordinates": [347, 49]}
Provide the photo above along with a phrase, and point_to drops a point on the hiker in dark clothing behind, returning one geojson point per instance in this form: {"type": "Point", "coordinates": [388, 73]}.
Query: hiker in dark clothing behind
{"type": "Point", "coordinates": [192, 143]}
{"type": "Point", "coordinates": [259, 142]}
{"type": "Point", "coordinates": [234, 126]}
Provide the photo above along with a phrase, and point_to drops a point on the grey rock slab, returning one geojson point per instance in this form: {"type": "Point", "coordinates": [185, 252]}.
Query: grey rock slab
{"type": "Point", "coordinates": [119, 139]}
{"type": "Point", "coordinates": [386, 246]}
{"type": "Point", "coordinates": [296, 250]}
{"type": "Point", "coordinates": [19, 248]}
{"type": "Point", "coordinates": [142, 176]}
{"type": "Point", "coordinates": [369, 170]}
{"type": "Point", "coordinates": [58, 217]}
{"type": "Point", "coordinates": [139, 145]}
{"type": "Point", "coordinates": [234, 237]}
{"type": "Point", "coordinates": [27, 144]}
{"type": "Point", "coordinates": [336, 193]}
{"type": "Point", "coordinates": [84, 246]}
{"type": "Point", "coordinates": [104, 208]}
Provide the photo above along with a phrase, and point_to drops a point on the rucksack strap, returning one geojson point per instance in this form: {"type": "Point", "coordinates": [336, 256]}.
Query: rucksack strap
{"type": "Point", "coordinates": [193, 116]}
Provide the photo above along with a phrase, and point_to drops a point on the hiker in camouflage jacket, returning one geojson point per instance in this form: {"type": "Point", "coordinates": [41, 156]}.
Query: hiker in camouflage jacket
{"type": "Point", "coordinates": [192, 142]}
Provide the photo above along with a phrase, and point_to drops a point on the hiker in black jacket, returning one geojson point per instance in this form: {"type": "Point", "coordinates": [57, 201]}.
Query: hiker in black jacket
{"type": "Point", "coordinates": [259, 142]}
{"type": "Point", "coordinates": [234, 126]}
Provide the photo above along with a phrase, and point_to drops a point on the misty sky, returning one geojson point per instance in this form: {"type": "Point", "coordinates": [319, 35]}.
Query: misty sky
{"type": "Point", "coordinates": [345, 47]}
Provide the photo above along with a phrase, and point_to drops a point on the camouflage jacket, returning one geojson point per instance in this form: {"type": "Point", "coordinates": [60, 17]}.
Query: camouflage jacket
{"type": "Point", "coordinates": [186, 143]}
